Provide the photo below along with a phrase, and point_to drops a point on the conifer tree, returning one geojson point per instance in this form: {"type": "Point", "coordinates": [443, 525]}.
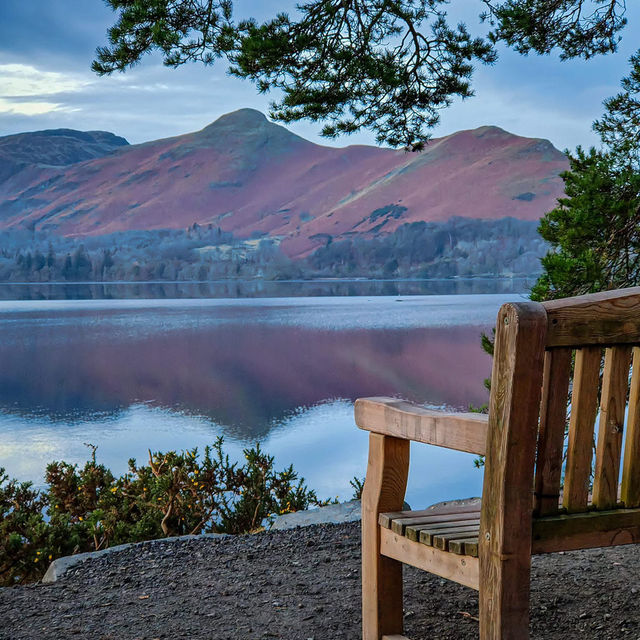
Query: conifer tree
{"type": "Point", "coordinates": [595, 231]}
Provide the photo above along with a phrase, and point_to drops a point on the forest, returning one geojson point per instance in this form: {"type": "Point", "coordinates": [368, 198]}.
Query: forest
{"type": "Point", "coordinates": [461, 247]}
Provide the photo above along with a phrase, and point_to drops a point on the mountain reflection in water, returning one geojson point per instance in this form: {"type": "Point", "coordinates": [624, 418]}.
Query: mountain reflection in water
{"type": "Point", "coordinates": [177, 373]}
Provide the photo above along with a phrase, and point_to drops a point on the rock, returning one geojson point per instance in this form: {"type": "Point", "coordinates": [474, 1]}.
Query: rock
{"type": "Point", "coordinates": [463, 502]}
{"type": "Point", "coordinates": [331, 514]}
{"type": "Point", "coordinates": [339, 513]}
{"type": "Point", "coordinates": [60, 566]}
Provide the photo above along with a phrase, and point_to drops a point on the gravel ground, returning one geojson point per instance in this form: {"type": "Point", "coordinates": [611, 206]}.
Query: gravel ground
{"type": "Point", "coordinates": [302, 584]}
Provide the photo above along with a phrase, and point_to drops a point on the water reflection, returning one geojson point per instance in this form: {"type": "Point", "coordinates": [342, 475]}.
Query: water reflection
{"type": "Point", "coordinates": [243, 365]}
{"type": "Point", "coordinates": [320, 441]}
{"type": "Point", "coordinates": [127, 375]}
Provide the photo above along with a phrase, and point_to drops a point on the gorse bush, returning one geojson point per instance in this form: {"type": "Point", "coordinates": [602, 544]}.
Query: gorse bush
{"type": "Point", "coordinates": [88, 508]}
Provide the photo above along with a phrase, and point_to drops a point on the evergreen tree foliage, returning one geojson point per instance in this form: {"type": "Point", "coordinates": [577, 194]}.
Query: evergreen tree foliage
{"type": "Point", "coordinates": [595, 231]}
{"type": "Point", "coordinates": [619, 127]}
{"type": "Point", "coordinates": [385, 65]}
{"type": "Point", "coordinates": [578, 29]}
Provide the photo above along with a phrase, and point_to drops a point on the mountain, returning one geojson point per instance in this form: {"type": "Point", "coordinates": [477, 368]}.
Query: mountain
{"type": "Point", "coordinates": [52, 149]}
{"type": "Point", "coordinates": [58, 147]}
{"type": "Point", "coordinates": [246, 175]}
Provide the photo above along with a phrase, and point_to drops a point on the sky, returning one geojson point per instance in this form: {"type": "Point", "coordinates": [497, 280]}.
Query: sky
{"type": "Point", "coordinates": [46, 49]}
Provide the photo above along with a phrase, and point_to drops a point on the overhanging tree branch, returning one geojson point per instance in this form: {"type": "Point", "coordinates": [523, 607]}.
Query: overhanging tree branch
{"type": "Point", "coordinates": [389, 66]}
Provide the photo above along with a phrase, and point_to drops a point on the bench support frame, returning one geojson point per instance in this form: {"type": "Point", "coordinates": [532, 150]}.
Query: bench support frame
{"type": "Point", "coordinates": [384, 490]}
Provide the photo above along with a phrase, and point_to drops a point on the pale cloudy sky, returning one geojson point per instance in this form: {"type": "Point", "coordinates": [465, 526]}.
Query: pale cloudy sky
{"type": "Point", "coordinates": [46, 48]}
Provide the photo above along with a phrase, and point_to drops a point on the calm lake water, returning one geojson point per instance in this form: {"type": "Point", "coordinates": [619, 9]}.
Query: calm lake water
{"type": "Point", "coordinates": [172, 373]}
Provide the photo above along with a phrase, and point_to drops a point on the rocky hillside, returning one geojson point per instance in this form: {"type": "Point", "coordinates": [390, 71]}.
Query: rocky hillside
{"type": "Point", "coordinates": [245, 175]}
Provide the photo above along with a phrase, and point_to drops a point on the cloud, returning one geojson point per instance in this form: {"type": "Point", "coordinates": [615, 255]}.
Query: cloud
{"type": "Point", "coordinates": [37, 108]}
{"type": "Point", "coordinates": [29, 91]}
{"type": "Point", "coordinates": [26, 80]}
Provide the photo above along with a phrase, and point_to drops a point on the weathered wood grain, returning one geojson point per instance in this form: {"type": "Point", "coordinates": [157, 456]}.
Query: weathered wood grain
{"type": "Point", "coordinates": [399, 525]}
{"type": "Point", "coordinates": [459, 520]}
{"type": "Point", "coordinates": [553, 418]}
{"type": "Point", "coordinates": [615, 382]}
{"type": "Point", "coordinates": [630, 490]}
{"type": "Point", "coordinates": [584, 406]}
{"type": "Point", "coordinates": [505, 531]}
{"type": "Point", "coordinates": [611, 317]}
{"type": "Point", "coordinates": [384, 490]}
{"type": "Point", "coordinates": [586, 530]}
{"type": "Point", "coordinates": [461, 569]}
{"type": "Point", "coordinates": [401, 419]}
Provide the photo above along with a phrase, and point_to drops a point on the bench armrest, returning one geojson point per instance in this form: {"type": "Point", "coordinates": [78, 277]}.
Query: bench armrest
{"type": "Point", "coordinates": [402, 419]}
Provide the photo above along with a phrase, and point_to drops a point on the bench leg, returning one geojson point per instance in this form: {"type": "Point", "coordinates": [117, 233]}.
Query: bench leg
{"type": "Point", "coordinates": [384, 490]}
{"type": "Point", "coordinates": [504, 598]}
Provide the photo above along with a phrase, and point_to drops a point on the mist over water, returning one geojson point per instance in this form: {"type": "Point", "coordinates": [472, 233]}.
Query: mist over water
{"type": "Point", "coordinates": [128, 375]}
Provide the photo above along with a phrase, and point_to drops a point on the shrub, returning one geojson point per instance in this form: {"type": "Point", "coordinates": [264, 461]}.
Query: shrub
{"type": "Point", "coordinates": [88, 508]}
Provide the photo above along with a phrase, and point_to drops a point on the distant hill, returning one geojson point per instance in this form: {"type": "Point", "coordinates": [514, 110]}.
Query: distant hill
{"type": "Point", "coordinates": [52, 149]}
{"type": "Point", "coordinates": [245, 175]}
{"type": "Point", "coordinates": [58, 147]}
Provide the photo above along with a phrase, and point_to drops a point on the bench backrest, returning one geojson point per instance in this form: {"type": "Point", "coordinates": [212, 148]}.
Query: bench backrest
{"type": "Point", "coordinates": [530, 385]}
{"type": "Point", "coordinates": [601, 334]}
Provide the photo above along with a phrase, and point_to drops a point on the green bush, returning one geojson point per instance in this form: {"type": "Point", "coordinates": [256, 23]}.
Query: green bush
{"type": "Point", "coordinates": [88, 508]}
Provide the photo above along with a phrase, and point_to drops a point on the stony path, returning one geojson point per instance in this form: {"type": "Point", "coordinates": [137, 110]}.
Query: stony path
{"type": "Point", "coordinates": [302, 584]}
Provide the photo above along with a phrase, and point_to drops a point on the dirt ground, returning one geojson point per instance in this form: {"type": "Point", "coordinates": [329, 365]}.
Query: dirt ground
{"type": "Point", "coordinates": [302, 584]}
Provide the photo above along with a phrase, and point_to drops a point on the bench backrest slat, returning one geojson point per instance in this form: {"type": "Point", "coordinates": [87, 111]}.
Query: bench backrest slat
{"type": "Point", "coordinates": [584, 407]}
{"type": "Point", "coordinates": [615, 382]}
{"type": "Point", "coordinates": [553, 419]}
{"type": "Point", "coordinates": [630, 490]}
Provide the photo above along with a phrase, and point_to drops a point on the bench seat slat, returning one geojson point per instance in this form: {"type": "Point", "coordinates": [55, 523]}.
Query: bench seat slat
{"type": "Point", "coordinates": [400, 524]}
{"type": "Point", "coordinates": [464, 547]}
{"type": "Point", "coordinates": [427, 536]}
{"type": "Point", "coordinates": [384, 519]}
{"type": "Point", "coordinates": [440, 539]}
{"type": "Point", "coordinates": [437, 529]}
{"type": "Point", "coordinates": [413, 531]}
{"type": "Point", "coordinates": [458, 533]}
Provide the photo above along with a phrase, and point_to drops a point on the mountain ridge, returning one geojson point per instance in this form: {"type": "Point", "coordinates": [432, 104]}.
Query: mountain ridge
{"type": "Point", "coordinates": [249, 176]}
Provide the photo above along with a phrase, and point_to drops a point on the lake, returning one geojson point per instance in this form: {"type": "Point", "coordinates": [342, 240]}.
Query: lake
{"type": "Point", "coordinates": [129, 374]}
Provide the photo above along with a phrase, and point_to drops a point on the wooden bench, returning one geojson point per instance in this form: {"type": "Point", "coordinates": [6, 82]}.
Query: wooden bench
{"type": "Point", "coordinates": [588, 343]}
